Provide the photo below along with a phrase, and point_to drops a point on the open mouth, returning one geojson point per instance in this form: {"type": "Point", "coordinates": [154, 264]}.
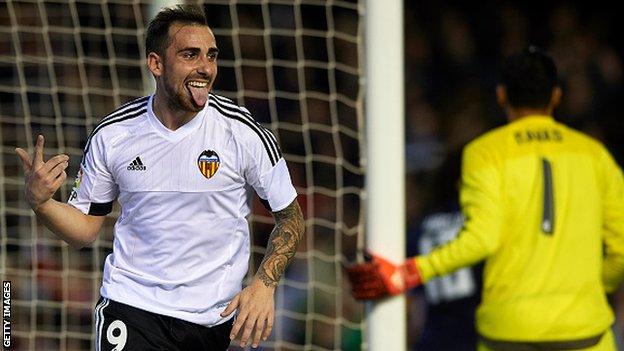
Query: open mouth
{"type": "Point", "coordinates": [199, 91]}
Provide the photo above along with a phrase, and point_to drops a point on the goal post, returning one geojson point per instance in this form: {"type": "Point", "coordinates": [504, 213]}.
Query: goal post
{"type": "Point", "coordinates": [385, 168]}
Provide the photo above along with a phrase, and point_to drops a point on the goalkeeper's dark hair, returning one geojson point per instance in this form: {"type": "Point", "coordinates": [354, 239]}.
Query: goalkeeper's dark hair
{"type": "Point", "coordinates": [529, 78]}
{"type": "Point", "coordinates": [157, 39]}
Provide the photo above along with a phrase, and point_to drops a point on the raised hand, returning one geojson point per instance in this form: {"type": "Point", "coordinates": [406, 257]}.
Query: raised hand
{"type": "Point", "coordinates": [42, 179]}
{"type": "Point", "coordinates": [256, 313]}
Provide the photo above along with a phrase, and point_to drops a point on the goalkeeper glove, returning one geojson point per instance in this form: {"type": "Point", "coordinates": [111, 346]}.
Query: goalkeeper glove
{"type": "Point", "coordinates": [379, 278]}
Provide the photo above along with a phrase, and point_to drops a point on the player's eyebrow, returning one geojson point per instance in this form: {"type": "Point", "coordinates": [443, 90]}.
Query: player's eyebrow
{"type": "Point", "coordinates": [195, 50]}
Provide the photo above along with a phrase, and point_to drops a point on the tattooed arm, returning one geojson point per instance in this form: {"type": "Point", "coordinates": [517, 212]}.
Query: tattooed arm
{"type": "Point", "coordinates": [256, 302]}
{"type": "Point", "coordinates": [283, 242]}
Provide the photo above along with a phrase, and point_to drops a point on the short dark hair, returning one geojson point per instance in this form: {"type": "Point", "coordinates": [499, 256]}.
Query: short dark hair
{"type": "Point", "coordinates": [157, 38]}
{"type": "Point", "coordinates": [529, 78]}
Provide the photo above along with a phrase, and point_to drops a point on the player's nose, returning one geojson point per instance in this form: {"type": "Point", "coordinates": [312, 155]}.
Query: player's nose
{"type": "Point", "coordinates": [205, 67]}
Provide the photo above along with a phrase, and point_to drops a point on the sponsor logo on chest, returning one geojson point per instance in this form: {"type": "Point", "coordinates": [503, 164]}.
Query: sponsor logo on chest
{"type": "Point", "coordinates": [136, 165]}
{"type": "Point", "coordinates": [208, 164]}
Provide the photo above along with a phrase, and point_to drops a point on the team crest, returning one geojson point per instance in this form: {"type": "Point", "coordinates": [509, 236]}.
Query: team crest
{"type": "Point", "coordinates": [208, 163]}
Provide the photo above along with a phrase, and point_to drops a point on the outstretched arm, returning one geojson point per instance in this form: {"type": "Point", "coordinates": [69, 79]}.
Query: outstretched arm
{"type": "Point", "coordinates": [256, 302]}
{"type": "Point", "coordinates": [42, 180]}
{"type": "Point", "coordinates": [481, 235]}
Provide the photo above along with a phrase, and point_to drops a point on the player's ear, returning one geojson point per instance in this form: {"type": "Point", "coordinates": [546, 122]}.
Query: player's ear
{"type": "Point", "coordinates": [555, 97]}
{"type": "Point", "coordinates": [501, 95]}
{"type": "Point", "coordinates": [155, 64]}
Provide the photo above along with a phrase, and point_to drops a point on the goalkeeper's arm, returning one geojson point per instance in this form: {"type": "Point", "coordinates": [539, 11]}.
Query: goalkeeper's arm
{"type": "Point", "coordinates": [613, 217]}
{"type": "Point", "coordinates": [42, 180]}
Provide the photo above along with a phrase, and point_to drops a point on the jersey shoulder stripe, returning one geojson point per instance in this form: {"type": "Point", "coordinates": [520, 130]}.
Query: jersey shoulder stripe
{"type": "Point", "coordinates": [126, 107]}
{"type": "Point", "coordinates": [229, 109]}
{"type": "Point", "coordinates": [229, 105]}
{"type": "Point", "coordinates": [127, 111]}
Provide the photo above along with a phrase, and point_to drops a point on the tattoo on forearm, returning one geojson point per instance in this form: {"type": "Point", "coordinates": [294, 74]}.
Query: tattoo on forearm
{"type": "Point", "coordinates": [283, 242]}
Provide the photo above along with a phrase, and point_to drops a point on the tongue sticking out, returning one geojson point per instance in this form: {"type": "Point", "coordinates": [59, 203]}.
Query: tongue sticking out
{"type": "Point", "coordinates": [200, 95]}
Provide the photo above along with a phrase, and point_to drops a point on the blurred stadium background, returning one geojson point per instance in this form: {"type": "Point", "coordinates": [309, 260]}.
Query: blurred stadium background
{"type": "Point", "coordinates": [297, 66]}
{"type": "Point", "coordinates": [453, 52]}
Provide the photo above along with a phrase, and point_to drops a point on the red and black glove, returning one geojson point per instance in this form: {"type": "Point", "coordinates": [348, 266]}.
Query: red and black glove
{"type": "Point", "coordinates": [379, 278]}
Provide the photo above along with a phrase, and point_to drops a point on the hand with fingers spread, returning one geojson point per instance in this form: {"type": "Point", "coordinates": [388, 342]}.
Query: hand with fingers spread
{"type": "Point", "coordinates": [256, 313]}
{"type": "Point", "coordinates": [42, 178]}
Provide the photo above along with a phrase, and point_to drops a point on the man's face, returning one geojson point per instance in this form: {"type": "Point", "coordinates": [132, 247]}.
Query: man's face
{"type": "Point", "coordinates": [189, 67]}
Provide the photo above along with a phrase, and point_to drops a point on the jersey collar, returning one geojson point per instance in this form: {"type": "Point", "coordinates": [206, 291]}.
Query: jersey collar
{"type": "Point", "coordinates": [180, 133]}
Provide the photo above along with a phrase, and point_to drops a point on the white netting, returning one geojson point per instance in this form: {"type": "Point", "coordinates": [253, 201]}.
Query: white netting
{"type": "Point", "coordinates": [295, 64]}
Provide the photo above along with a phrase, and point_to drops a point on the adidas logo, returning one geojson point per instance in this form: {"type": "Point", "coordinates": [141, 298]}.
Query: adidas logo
{"type": "Point", "coordinates": [136, 165]}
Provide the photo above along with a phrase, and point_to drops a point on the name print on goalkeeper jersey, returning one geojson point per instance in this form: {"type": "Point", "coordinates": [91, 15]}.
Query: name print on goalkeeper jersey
{"type": "Point", "coordinates": [530, 291]}
{"type": "Point", "coordinates": [538, 135]}
{"type": "Point", "coordinates": [183, 226]}
{"type": "Point", "coordinates": [544, 208]}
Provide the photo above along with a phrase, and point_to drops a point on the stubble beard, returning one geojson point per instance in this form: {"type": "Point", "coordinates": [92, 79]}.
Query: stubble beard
{"type": "Point", "coordinates": [179, 99]}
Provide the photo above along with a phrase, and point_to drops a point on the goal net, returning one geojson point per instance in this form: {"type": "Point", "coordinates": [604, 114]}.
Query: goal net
{"type": "Point", "coordinates": [296, 65]}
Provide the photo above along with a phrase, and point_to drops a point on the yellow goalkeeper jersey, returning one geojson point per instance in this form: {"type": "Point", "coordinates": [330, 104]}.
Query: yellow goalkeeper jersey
{"type": "Point", "coordinates": [544, 206]}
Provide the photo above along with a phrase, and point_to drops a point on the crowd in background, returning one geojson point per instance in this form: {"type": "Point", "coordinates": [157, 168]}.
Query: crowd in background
{"type": "Point", "coordinates": [453, 53]}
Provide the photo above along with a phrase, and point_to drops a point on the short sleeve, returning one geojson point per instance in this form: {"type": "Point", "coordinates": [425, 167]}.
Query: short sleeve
{"type": "Point", "coordinates": [94, 189]}
{"type": "Point", "coordinates": [266, 171]}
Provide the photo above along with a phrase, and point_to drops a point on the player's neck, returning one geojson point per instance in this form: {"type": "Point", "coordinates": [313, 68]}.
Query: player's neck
{"type": "Point", "coordinates": [514, 114]}
{"type": "Point", "coordinates": [171, 118]}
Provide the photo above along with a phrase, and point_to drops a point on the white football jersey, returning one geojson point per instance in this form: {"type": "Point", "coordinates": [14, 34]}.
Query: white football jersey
{"type": "Point", "coordinates": [181, 244]}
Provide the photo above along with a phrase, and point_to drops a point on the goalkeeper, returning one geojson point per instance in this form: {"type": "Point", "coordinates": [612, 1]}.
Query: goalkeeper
{"type": "Point", "coordinates": [541, 201]}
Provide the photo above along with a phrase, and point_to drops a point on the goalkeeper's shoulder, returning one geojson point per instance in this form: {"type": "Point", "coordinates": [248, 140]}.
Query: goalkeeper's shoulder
{"type": "Point", "coordinates": [491, 140]}
{"type": "Point", "coordinates": [487, 150]}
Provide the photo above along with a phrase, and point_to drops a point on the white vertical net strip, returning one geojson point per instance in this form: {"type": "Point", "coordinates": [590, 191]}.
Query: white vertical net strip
{"type": "Point", "coordinates": [296, 65]}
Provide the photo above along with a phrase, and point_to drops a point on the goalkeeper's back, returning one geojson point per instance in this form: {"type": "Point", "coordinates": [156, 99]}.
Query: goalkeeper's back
{"type": "Point", "coordinates": [561, 195]}
{"type": "Point", "coordinates": [540, 201]}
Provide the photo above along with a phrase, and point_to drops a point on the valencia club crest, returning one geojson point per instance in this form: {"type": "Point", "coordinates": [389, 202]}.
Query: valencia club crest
{"type": "Point", "coordinates": [208, 163]}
